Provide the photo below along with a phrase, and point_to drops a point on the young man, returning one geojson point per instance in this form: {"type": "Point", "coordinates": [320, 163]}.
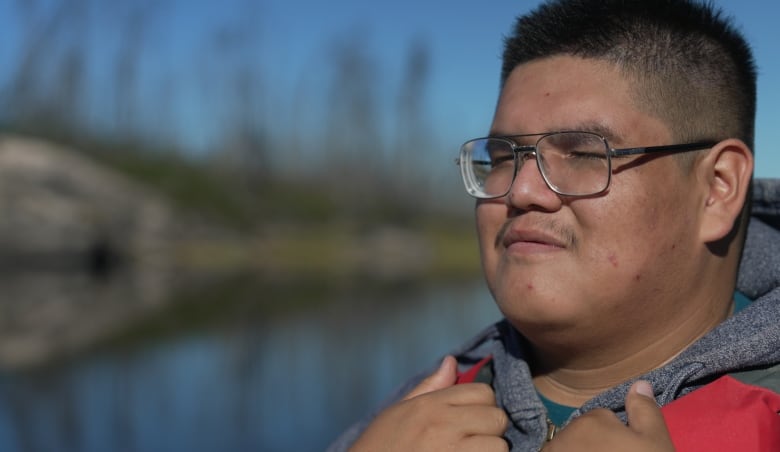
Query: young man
{"type": "Point", "coordinates": [611, 213]}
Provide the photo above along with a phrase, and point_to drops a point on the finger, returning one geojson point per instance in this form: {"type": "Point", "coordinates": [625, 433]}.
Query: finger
{"type": "Point", "coordinates": [484, 443]}
{"type": "Point", "coordinates": [478, 420]}
{"type": "Point", "coordinates": [444, 377]}
{"type": "Point", "coordinates": [468, 394]}
{"type": "Point", "coordinates": [644, 415]}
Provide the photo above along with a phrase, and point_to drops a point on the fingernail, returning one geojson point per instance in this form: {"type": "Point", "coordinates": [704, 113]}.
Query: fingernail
{"type": "Point", "coordinates": [644, 388]}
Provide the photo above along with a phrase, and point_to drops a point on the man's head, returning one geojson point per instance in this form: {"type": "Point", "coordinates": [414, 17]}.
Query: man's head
{"type": "Point", "coordinates": [636, 261]}
{"type": "Point", "coordinates": [688, 64]}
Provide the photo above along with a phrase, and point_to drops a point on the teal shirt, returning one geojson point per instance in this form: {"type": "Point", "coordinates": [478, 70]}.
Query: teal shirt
{"type": "Point", "coordinates": [741, 301]}
{"type": "Point", "coordinates": [559, 414]}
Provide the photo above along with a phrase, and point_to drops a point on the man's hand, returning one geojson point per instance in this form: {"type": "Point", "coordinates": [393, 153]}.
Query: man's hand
{"type": "Point", "coordinates": [601, 430]}
{"type": "Point", "coordinates": [439, 415]}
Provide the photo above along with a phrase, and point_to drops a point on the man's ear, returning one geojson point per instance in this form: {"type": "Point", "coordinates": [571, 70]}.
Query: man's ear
{"type": "Point", "coordinates": [726, 173]}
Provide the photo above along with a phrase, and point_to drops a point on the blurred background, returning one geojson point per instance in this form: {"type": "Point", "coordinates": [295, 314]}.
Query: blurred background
{"type": "Point", "coordinates": [238, 225]}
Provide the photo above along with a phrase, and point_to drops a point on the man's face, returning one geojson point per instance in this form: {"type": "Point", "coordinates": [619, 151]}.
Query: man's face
{"type": "Point", "coordinates": [601, 265]}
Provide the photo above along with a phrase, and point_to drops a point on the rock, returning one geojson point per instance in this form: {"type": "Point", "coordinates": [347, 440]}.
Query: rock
{"type": "Point", "coordinates": [83, 251]}
{"type": "Point", "coordinates": [59, 208]}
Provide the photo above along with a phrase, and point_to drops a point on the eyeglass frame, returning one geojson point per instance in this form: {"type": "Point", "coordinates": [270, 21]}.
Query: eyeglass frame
{"type": "Point", "coordinates": [524, 150]}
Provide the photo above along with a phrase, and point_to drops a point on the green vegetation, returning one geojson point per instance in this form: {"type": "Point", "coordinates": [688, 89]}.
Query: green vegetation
{"type": "Point", "coordinates": [288, 231]}
{"type": "Point", "coordinates": [455, 250]}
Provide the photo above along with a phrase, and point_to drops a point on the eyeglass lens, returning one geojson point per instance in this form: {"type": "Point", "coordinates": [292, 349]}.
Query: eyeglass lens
{"type": "Point", "coordinates": [571, 163]}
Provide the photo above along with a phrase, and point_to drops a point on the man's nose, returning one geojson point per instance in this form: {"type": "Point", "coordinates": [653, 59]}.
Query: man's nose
{"type": "Point", "coordinates": [529, 191]}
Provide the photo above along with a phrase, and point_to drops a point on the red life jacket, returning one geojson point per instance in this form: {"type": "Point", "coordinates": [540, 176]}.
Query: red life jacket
{"type": "Point", "coordinates": [726, 415]}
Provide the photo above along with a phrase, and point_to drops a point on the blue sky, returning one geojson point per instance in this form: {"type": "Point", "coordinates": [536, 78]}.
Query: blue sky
{"type": "Point", "coordinates": [291, 41]}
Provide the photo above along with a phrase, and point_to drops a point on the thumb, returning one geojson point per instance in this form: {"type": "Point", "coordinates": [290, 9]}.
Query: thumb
{"type": "Point", "coordinates": [644, 414]}
{"type": "Point", "coordinates": [444, 377]}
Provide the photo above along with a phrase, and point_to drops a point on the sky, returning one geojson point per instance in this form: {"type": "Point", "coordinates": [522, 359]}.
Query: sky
{"type": "Point", "coordinates": [292, 43]}
{"type": "Point", "coordinates": [465, 40]}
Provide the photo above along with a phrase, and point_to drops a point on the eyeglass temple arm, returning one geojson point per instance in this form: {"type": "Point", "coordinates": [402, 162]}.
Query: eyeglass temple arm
{"type": "Point", "coordinates": [668, 148]}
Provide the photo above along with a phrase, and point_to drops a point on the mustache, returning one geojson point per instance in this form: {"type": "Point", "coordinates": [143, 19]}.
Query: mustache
{"type": "Point", "coordinates": [559, 230]}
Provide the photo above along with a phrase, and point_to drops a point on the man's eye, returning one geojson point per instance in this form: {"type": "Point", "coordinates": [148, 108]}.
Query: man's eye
{"type": "Point", "coordinates": [501, 161]}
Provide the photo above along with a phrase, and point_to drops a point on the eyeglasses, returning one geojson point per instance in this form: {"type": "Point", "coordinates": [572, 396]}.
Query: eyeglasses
{"type": "Point", "coordinates": [571, 163]}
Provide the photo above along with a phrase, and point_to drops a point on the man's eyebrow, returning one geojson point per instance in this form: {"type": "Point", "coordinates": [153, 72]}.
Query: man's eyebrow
{"type": "Point", "coordinates": [597, 127]}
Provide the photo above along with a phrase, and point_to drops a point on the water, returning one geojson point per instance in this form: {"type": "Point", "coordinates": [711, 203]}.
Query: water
{"type": "Point", "coordinates": [286, 382]}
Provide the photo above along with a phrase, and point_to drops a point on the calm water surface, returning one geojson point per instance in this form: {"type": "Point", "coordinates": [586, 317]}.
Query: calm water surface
{"type": "Point", "coordinates": [291, 382]}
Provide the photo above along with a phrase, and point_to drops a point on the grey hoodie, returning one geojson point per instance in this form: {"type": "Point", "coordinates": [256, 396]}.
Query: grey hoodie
{"type": "Point", "coordinates": [748, 340]}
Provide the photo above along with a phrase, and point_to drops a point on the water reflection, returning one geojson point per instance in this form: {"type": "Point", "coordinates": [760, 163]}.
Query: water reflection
{"type": "Point", "coordinates": [282, 382]}
{"type": "Point", "coordinates": [47, 314]}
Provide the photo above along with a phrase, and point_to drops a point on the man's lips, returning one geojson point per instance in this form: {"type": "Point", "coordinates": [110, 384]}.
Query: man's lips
{"type": "Point", "coordinates": [531, 237]}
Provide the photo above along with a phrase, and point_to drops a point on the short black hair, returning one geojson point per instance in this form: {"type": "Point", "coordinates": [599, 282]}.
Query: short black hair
{"type": "Point", "coordinates": [689, 65]}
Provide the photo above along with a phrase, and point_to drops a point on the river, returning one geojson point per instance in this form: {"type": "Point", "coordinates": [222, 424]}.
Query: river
{"type": "Point", "coordinates": [290, 381]}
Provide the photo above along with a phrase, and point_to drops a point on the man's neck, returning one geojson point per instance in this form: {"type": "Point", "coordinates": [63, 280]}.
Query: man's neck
{"type": "Point", "coordinates": [572, 381]}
